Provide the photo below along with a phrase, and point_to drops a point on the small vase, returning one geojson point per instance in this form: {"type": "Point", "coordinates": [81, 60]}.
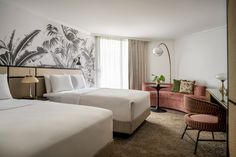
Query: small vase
{"type": "Point", "coordinates": [158, 82]}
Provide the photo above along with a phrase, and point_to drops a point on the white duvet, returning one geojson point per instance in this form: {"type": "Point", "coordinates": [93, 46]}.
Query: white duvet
{"type": "Point", "coordinates": [40, 128]}
{"type": "Point", "coordinates": [126, 105]}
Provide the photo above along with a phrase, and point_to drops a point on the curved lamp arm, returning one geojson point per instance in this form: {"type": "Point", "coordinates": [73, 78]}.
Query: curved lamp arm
{"type": "Point", "coordinates": [169, 58]}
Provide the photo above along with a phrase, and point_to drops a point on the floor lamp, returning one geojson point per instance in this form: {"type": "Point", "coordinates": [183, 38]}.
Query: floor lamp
{"type": "Point", "coordinates": [158, 51]}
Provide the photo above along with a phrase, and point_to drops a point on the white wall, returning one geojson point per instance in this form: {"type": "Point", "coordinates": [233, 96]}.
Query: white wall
{"type": "Point", "coordinates": [159, 65]}
{"type": "Point", "coordinates": [200, 56]}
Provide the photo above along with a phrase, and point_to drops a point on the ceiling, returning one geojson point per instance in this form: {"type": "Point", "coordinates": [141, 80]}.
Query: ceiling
{"type": "Point", "coordinates": [143, 19]}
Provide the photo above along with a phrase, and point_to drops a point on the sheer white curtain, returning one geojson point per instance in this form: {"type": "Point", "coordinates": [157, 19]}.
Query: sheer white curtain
{"type": "Point", "coordinates": [112, 63]}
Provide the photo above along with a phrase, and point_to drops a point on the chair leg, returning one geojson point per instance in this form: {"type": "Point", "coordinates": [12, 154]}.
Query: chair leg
{"type": "Point", "coordinates": [184, 131]}
{"type": "Point", "coordinates": [195, 150]}
{"type": "Point", "coordinates": [213, 135]}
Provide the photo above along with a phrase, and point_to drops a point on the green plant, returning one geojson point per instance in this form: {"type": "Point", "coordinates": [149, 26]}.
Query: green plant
{"type": "Point", "coordinates": [158, 78]}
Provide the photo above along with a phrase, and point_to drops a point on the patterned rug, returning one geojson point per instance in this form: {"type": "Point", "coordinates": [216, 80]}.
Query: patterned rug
{"type": "Point", "coordinates": [160, 136]}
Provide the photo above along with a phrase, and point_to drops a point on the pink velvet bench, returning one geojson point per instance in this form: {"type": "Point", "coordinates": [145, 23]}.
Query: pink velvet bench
{"type": "Point", "coordinates": [172, 100]}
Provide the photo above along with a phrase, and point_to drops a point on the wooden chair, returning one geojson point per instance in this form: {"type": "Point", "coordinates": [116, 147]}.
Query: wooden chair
{"type": "Point", "coordinates": [203, 116]}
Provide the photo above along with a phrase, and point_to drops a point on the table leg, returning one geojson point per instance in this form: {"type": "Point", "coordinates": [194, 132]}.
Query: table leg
{"type": "Point", "coordinates": [158, 108]}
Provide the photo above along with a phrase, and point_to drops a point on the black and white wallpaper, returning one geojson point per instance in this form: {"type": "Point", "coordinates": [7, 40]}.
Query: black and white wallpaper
{"type": "Point", "coordinates": [48, 45]}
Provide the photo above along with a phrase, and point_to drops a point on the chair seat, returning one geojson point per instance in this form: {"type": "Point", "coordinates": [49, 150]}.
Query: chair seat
{"type": "Point", "coordinates": [204, 118]}
{"type": "Point", "coordinates": [204, 122]}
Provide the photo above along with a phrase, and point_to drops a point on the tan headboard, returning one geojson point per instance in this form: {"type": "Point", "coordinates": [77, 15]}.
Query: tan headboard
{"type": "Point", "coordinates": [15, 75]}
{"type": "Point", "coordinates": [3, 70]}
{"type": "Point", "coordinates": [40, 72]}
{"type": "Point", "coordinates": [46, 71]}
{"type": "Point", "coordinates": [19, 90]}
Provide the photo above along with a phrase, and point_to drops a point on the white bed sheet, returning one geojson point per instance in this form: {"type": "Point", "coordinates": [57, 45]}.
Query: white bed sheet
{"type": "Point", "coordinates": [126, 105]}
{"type": "Point", "coordinates": [30, 128]}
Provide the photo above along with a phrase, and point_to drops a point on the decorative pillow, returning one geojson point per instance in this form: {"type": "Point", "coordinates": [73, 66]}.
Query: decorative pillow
{"type": "Point", "coordinates": [78, 81]}
{"type": "Point", "coordinates": [61, 83]}
{"type": "Point", "coordinates": [48, 83]}
{"type": "Point", "coordinates": [186, 86]}
{"type": "Point", "coordinates": [4, 88]}
{"type": "Point", "coordinates": [176, 86]}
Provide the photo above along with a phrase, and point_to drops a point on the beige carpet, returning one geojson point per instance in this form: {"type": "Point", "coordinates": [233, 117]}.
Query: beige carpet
{"type": "Point", "coordinates": [160, 136]}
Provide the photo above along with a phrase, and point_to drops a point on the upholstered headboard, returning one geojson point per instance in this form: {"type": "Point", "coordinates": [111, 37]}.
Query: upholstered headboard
{"type": "Point", "coordinates": [15, 75]}
{"type": "Point", "coordinates": [40, 72]}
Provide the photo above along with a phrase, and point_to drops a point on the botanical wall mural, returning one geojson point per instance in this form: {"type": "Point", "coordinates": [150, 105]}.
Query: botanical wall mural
{"type": "Point", "coordinates": [55, 45]}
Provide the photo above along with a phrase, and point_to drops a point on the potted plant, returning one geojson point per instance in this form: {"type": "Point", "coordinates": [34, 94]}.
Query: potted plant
{"type": "Point", "coordinates": [158, 78]}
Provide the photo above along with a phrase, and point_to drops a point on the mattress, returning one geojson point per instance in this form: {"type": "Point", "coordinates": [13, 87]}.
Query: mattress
{"type": "Point", "coordinates": [32, 128]}
{"type": "Point", "coordinates": [126, 105]}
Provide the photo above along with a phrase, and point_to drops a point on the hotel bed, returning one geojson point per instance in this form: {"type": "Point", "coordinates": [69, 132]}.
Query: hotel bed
{"type": "Point", "coordinates": [30, 128]}
{"type": "Point", "coordinates": [130, 107]}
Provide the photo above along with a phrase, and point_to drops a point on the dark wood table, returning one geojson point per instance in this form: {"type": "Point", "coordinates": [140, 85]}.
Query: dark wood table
{"type": "Point", "coordinates": [158, 88]}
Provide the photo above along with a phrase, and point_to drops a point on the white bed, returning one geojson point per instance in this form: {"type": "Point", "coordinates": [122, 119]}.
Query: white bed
{"type": "Point", "coordinates": [30, 128]}
{"type": "Point", "coordinates": [130, 107]}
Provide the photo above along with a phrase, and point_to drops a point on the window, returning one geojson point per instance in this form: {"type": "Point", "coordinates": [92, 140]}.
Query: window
{"type": "Point", "coordinates": [112, 63]}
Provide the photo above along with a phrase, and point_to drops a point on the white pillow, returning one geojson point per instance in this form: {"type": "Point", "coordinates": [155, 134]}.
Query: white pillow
{"type": "Point", "coordinates": [4, 88]}
{"type": "Point", "coordinates": [61, 83]}
{"type": "Point", "coordinates": [78, 81]}
{"type": "Point", "coordinates": [48, 83]}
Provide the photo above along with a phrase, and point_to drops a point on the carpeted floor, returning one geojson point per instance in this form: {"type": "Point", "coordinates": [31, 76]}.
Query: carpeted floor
{"type": "Point", "coordinates": [160, 136]}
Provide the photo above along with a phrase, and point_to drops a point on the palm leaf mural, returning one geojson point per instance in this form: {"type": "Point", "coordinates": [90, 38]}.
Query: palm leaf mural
{"type": "Point", "coordinates": [29, 55]}
{"type": "Point", "coordinates": [18, 55]}
{"type": "Point", "coordinates": [25, 42]}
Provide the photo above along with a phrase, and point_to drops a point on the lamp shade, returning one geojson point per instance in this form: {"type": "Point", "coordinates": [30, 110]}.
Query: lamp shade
{"type": "Point", "coordinates": [29, 79]}
{"type": "Point", "coordinates": [221, 77]}
{"type": "Point", "coordinates": [157, 51]}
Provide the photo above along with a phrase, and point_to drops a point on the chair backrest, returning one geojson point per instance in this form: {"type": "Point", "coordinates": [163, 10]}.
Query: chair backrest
{"type": "Point", "coordinates": [200, 106]}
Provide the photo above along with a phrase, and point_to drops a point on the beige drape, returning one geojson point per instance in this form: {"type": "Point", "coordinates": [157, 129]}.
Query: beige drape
{"type": "Point", "coordinates": [137, 63]}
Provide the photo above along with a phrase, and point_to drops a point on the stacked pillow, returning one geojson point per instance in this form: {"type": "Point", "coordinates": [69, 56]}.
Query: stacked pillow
{"type": "Point", "coordinates": [78, 81]}
{"type": "Point", "coordinates": [183, 86]}
{"type": "Point", "coordinates": [4, 92]}
{"type": "Point", "coordinates": [59, 83]}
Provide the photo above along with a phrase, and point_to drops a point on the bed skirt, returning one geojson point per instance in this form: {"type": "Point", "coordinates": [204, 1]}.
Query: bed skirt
{"type": "Point", "coordinates": [130, 127]}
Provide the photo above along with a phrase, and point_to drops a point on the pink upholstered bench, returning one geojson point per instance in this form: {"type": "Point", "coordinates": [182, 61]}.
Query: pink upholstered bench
{"type": "Point", "coordinates": [172, 100]}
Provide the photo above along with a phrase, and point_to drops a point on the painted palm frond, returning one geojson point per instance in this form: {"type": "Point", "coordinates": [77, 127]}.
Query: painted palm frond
{"type": "Point", "coordinates": [10, 44]}
{"type": "Point", "coordinates": [70, 35]}
{"type": "Point", "coordinates": [58, 62]}
{"type": "Point", "coordinates": [51, 43]}
{"type": "Point", "coordinates": [52, 30]}
{"type": "Point", "coordinates": [46, 44]}
{"type": "Point", "coordinates": [54, 41]}
{"type": "Point", "coordinates": [30, 55]}
{"type": "Point", "coordinates": [24, 43]}
{"type": "Point", "coordinates": [3, 45]}
{"type": "Point", "coordinates": [6, 58]}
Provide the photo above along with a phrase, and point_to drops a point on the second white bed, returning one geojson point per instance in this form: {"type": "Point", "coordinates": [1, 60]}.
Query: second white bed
{"type": "Point", "coordinates": [130, 107]}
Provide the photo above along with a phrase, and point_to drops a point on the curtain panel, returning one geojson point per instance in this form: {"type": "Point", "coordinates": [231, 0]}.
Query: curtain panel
{"type": "Point", "coordinates": [137, 63]}
{"type": "Point", "coordinates": [112, 62]}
